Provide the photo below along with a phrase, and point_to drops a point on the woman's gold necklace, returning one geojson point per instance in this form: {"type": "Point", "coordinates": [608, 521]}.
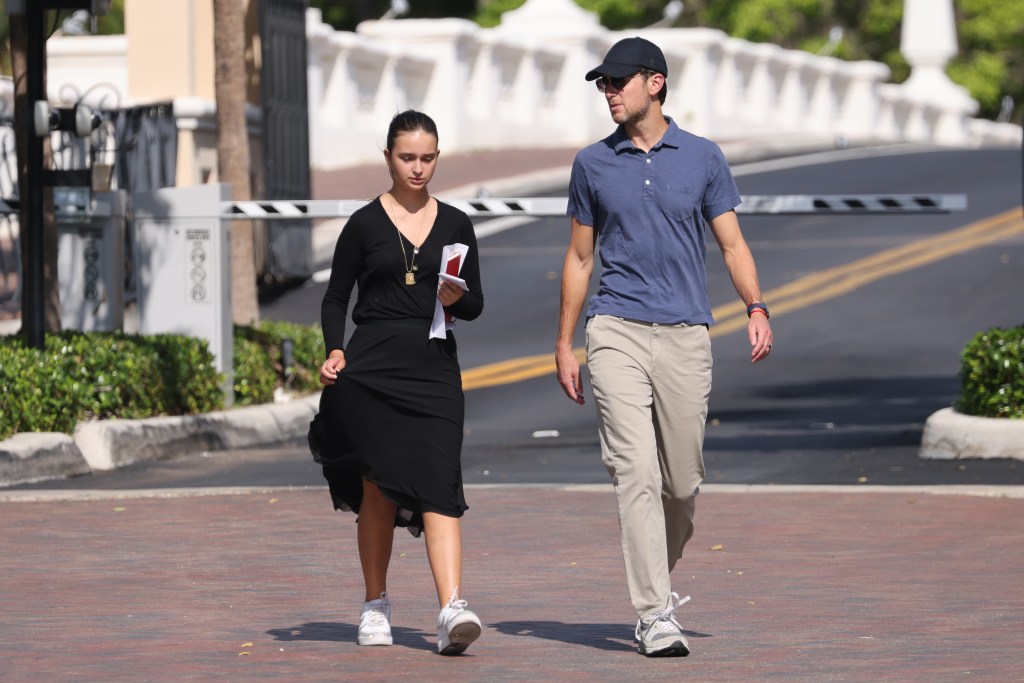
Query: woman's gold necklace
{"type": "Point", "coordinates": [410, 267]}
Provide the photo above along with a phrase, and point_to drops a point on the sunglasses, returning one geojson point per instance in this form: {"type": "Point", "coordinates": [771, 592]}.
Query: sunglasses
{"type": "Point", "coordinates": [616, 82]}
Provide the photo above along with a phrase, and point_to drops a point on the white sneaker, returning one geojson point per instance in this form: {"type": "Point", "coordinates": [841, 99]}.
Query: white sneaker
{"type": "Point", "coordinates": [457, 627]}
{"type": "Point", "coordinates": [660, 635]}
{"type": "Point", "coordinates": [375, 622]}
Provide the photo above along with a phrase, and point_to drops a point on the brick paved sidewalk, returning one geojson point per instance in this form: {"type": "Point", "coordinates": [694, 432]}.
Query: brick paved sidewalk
{"type": "Point", "coordinates": [788, 586]}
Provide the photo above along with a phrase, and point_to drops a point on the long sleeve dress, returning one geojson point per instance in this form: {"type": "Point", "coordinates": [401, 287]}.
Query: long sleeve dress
{"type": "Point", "coordinates": [395, 414]}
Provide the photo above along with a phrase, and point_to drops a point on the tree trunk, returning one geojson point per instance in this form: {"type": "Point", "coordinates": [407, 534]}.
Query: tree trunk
{"type": "Point", "coordinates": [233, 150]}
{"type": "Point", "coordinates": [24, 132]}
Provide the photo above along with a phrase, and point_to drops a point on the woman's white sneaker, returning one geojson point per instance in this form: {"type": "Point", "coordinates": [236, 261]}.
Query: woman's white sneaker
{"type": "Point", "coordinates": [457, 627]}
{"type": "Point", "coordinates": [375, 622]}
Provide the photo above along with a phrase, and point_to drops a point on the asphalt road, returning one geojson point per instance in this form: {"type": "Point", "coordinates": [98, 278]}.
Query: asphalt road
{"type": "Point", "coordinates": [870, 314]}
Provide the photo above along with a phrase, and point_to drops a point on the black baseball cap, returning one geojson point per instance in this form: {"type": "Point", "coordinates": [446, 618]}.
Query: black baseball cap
{"type": "Point", "coordinates": [628, 56]}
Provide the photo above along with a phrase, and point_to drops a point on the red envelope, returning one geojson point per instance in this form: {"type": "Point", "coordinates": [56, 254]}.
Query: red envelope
{"type": "Point", "coordinates": [452, 268]}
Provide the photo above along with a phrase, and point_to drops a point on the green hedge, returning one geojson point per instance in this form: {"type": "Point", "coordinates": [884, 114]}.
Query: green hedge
{"type": "Point", "coordinates": [992, 374]}
{"type": "Point", "coordinates": [258, 360]}
{"type": "Point", "coordinates": [80, 376]}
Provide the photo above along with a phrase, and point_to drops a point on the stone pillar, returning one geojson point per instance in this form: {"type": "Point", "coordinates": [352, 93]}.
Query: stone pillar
{"type": "Point", "coordinates": [928, 42]}
{"type": "Point", "coordinates": [565, 26]}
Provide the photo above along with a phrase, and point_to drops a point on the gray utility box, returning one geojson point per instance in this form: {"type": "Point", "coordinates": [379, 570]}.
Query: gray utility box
{"type": "Point", "coordinates": [183, 268]}
{"type": "Point", "coordinates": [90, 259]}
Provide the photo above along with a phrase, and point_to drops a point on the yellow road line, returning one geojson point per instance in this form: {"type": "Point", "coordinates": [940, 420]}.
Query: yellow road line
{"type": "Point", "coordinates": [843, 279]}
{"type": "Point", "coordinates": [515, 370]}
{"type": "Point", "coordinates": [798, 294]}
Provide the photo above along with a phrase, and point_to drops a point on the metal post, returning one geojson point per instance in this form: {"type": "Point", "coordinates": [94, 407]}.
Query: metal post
{"type": "Point", "coordinates": [33, 233]}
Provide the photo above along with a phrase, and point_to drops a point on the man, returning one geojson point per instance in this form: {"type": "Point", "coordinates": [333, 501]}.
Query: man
{"type": "Point", "coordinates": [646, 191]}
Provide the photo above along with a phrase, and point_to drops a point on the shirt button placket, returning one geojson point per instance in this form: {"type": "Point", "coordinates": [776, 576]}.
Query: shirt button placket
{"type": "Point", "coordinates": [648, 187]}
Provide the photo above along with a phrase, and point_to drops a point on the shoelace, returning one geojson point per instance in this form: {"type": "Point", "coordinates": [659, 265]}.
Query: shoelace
{"type": "Point", "coordinates": [376, 614]}
{"type": "Point", "coordinates": [375, 617]}
{"type": "Point", "coordinates": [667, 614]}
{"type": "Point", "coordinates": [454, 605]}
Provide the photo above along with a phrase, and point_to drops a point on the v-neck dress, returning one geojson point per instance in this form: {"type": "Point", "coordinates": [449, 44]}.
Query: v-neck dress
{"type": "Point", "coordinates": [395, 414]}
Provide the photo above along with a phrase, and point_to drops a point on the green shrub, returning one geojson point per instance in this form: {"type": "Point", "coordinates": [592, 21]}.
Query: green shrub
{"type": "Point", "coordinates": [80, 376]}
{"type": "Point", "coordinates": [259, 360]}
{"type": "Point", "coordinates": [992, 374]}
{"type": "Point", "coordinates": [255, 376]}
{"type": "Point", "coordinates": [189, 374]}
{"type": "Point", "coordinates": [303, 376]}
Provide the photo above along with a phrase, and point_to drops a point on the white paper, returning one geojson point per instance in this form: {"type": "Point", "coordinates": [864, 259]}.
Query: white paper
{"type": "Point", "coordinates": [439, 328]}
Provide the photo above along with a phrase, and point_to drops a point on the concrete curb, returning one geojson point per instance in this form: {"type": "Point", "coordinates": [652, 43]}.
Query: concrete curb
{"type": "Point", "coordinates": [949, 435]}
{"type": "Point", "coordinates": [108, 444]}
{"type": "Point", "coordinates": [30, 457]}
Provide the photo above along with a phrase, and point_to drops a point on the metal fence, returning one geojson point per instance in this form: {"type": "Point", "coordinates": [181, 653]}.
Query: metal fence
{"type": "Point", "coordinates": [10, 252]}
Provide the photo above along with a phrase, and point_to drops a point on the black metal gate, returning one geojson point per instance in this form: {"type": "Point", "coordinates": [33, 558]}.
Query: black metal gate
{"type": "Point", "coordinates": [288, 249]}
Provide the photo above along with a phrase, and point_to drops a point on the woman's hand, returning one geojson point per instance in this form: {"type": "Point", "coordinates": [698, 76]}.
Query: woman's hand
{"type": "Point", "coordinates": [448, 293]}
{"type": "Point", "coordinates": [334, 364]}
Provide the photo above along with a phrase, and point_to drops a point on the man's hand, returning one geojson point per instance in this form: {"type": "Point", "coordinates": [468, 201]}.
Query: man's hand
{"type": "Point", "coordinates": [760, 333]}
{"type": "Point", "coordinates": [569, 374]}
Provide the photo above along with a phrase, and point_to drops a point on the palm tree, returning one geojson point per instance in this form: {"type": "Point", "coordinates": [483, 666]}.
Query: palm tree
{"type": "Point", "coordinates": [233, 150]}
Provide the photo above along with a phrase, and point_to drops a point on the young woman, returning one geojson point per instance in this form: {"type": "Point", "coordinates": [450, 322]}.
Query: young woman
{"type": "Point", "coordinates": [391, 416]}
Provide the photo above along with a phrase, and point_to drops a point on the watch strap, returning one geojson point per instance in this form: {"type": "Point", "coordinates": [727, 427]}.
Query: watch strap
{"type": "Point", "coordinates": [757, 305]}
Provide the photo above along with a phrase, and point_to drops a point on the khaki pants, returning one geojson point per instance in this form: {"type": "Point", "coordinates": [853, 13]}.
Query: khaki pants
{"type": "Point", "coordinates": [651, 384]}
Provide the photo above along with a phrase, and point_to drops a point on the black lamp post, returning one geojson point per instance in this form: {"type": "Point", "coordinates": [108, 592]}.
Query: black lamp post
{"type": "Point", "coordinates": [33, 289]}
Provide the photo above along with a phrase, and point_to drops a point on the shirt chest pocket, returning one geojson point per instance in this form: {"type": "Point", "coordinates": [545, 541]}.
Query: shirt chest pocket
{"type": "Point", "coordinates": [682, 202]}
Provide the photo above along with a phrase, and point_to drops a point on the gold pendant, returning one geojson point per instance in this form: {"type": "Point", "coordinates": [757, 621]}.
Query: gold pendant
{"type": "Point", "coordinates": [410, 279]}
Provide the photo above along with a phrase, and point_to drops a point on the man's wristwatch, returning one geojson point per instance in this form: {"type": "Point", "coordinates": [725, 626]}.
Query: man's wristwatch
{"type": "Point", "coordinates": [757, 306]}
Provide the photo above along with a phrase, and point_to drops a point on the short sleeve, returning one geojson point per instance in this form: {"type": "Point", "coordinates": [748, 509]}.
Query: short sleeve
{"type": "Point", "coordinates": [581, 205]}
{"type": "Point", "coordinates": [722, 195]}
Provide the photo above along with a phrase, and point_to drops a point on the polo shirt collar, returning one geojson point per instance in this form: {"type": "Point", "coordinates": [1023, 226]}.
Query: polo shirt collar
{"type": "Point", "coordinates": [672, 137]}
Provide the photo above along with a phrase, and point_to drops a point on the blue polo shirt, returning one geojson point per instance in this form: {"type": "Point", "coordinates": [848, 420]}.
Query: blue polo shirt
{"type": "Point", "coordinates": [650, 211]}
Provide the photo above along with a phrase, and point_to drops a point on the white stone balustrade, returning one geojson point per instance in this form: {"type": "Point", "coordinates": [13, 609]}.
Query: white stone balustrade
{"type": "Point", "coordinates": [521, 85]}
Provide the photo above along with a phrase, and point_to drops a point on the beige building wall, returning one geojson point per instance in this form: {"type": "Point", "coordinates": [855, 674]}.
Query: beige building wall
{"type": "Point", "coordinates": [170, 49]}
{"type": "Point", "coordinates": [171, 56]}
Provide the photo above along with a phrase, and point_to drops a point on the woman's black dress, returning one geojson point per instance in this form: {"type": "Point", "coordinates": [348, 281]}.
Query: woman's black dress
{"type": "Point", "coordinates": [395, 414]}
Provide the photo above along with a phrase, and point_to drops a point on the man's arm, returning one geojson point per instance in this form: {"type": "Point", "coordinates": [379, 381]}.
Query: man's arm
{"type": "Point", "coordinates": [740, 264]}
{"type": "Point", "coordinates": [576, 271]}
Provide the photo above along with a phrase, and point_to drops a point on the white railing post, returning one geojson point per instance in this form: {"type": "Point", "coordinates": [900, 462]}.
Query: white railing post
{"type": "Point", "coordinates": [695, 60]}
{"type": "Point", "coordinates": [858, 108]}
{"type": "Point", "coordinates": [822, 103]}
{"type": "Point", "coordinates": [794, 95]}
{"type": "Point", "coordinates": [444, 44]}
